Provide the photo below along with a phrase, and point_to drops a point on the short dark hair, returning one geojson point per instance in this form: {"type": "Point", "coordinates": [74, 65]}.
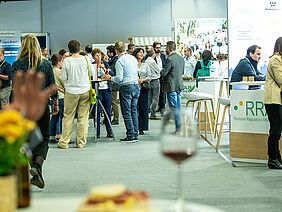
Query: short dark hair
{"type": "Point", "coordinates": [131, 45]}
{"type": "Point", "coordinates": [56, 58]}
{"type": "Point", "coordinates": [171, 45]}
{"type": "Point", "coordinates": [74, 46]}
{"type": "Point", "coordinates": [62, 52]}
{"type": "Point", "coordinates": [252, 49]}
{"type": "Point", "coordinates": [82, 53]}
{"type": "Point", "coordinates": [88, 49]}
{"type": "Point", "coordinates": [156, 43]}
{"type": "Point", "coordinates": [206, 55]}
{"type": "Point", "coordinates": [136, 51]}
{"type": "Point", "coordinates": [111, 49]}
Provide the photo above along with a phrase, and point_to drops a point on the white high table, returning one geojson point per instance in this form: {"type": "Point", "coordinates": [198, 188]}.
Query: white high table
{"type": "Point", "coordinates": [71, 204]}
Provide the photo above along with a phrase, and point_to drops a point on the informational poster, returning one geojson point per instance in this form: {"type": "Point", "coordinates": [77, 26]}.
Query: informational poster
{"type": "Point", "coordinates": [11, 42]}
{"type": "Point", "coordinates": [253, 22]}
{"type": "Point", "coordinates": [201, 34]}
{"type": "Point", "coordinates": [247, 112]}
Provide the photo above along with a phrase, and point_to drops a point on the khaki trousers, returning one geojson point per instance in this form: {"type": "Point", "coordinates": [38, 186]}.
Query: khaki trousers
{"type": "Point", "coordinates": [4, 96]}
{"type": "Point", "coordinates": [115, 105]}
{"type": "Point", "coordinates": [81, 104]}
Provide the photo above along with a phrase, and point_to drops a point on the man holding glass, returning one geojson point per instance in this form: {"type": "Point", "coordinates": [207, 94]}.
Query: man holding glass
{"type": "Point", "coordinates": [172, 81]}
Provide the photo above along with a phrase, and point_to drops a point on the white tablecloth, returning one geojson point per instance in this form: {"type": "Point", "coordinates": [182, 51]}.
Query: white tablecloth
{"type": "Point", "coordinates": [71, 204]}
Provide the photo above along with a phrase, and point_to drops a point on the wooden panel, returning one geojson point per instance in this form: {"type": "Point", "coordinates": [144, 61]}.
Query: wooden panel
{"type": "Point", "coordinates": [249, 145]}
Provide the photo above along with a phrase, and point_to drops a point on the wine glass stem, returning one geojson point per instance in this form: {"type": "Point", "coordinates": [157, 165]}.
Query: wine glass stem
{"type": "Point", "coordinates": [180, 187]}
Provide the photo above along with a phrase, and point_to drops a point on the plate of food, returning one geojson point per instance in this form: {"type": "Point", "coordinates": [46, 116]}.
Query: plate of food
{"type": "Point", "coordinates": [114, 198]}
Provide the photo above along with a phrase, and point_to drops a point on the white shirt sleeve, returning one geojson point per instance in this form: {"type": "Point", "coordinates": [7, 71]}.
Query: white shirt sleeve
{"type": "Point", "coordinates": [64, 74]}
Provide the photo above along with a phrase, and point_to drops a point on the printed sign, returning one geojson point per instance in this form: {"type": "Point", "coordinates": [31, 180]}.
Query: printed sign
{"type": "Point", "coordinates": [11, 42]}
{"type": "Point", "coordinates": [247, 112]}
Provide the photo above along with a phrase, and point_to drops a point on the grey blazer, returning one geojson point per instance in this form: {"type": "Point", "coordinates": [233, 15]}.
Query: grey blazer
{"type": "Point", "coordinates": [172, 73]}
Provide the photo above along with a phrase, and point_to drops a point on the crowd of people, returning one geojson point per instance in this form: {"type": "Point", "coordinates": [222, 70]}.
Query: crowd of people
{"type": "Point", "coordinates": [145, 79]}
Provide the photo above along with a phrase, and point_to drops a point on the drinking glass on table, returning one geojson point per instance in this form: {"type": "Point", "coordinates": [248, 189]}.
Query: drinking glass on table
{"type": "Point", "coordinates": [178, 147]}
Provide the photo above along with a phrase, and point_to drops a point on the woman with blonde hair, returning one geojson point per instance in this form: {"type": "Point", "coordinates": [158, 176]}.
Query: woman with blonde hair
{"type": "Point", "coordinates": [273, 104]}
{"type": "Point", "coordinates": [30, 57]}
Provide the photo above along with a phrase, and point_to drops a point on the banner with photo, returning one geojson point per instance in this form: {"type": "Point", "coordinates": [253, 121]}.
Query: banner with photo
{"type": "Point", "coordinates": [204, 34]}
{"type": "Point", "coordinates": [250, 23]}
{"type": "Point", "coordinates": [201, 34]}
{"type": "Point", "coordinates": [10, 41]}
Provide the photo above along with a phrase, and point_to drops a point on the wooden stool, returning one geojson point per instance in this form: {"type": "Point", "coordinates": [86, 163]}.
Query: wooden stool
{"type": "Point", "coordinates": [226, 103]}
{"type": "Point", "coordinates": [200, 98]}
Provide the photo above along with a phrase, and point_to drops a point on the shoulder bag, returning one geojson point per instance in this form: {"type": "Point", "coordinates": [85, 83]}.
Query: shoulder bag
{"type": "Point", "coordinates": [92, 92]}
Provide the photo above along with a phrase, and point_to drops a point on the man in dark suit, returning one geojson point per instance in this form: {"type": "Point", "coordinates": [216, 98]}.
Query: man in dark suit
{"type": "Point", "coordinates": [160, 60]}
{"type": "Point", "coordinates": [172, 81]}
{"type": "Point", "coordinates": [248, 67]}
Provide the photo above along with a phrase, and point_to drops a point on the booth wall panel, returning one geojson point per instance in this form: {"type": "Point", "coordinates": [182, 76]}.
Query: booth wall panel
{"type": "Point", "coordinates": [249, 145]}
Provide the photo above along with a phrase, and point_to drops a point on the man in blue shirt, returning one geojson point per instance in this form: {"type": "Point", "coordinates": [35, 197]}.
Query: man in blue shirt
{"type": "Point", "coordinates": [129, 90]}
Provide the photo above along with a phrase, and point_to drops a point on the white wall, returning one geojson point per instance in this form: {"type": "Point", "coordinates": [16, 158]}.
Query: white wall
{"type": "Point", "coordinates": [20, 16]}
{"type": "Point", "coordinates": [103, 21]}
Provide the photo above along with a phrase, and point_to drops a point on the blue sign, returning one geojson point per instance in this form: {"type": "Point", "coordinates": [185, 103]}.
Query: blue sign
{"type": "Point", "coordinates": [11, 43]}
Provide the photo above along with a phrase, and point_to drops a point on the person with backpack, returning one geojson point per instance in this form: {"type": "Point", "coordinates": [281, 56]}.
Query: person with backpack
{"type": "Point", "coordinates": [202, 68]}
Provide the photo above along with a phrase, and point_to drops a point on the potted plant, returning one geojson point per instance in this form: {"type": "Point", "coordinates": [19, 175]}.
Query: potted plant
{"type": "Point", "coordinates": [14, 131]}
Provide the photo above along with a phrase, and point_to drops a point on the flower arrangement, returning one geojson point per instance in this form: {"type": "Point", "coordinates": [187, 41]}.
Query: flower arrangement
{"type": "Point", "coordinates": [14, 131]}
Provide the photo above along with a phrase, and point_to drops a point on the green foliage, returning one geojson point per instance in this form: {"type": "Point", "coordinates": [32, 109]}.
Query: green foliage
{"type": "Point", "coordinates": [10, 155]}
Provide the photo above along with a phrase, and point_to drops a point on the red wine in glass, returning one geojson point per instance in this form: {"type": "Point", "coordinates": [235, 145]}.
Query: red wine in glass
{"type": "Point", "coordinates": [179, 155]}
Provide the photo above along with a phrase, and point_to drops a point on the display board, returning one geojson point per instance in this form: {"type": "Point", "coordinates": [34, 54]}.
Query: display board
{"type": "Point", "coordinates": [253, 22]}
{"type": "Point", "coordinates": [248, 114]}
{"type": "Point", "coordinates": [201, 34]}
{"type": "Point", "coordinates": [10, 41]}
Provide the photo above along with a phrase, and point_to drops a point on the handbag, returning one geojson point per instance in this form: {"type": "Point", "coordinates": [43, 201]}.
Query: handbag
{"type": "Point", "coordinates": [146, 85]}
{"type": "Point", "coordinates": [276, 83]}
{"type": "Point", "coordinates": [92, 92]}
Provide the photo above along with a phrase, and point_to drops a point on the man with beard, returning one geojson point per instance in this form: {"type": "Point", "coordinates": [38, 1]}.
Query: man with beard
{"type": "Point", "coordinates": [111, 52]}
{"type": "Point", "coordinates": [248, 67]}
{"type": "Point", "coordinates": [172, 81]}
{"type": "Point", "coordinates": [160, 60]}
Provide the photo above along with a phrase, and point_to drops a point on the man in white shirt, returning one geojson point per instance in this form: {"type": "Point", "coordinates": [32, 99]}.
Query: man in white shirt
{"type": "Point", "coordinates": [189, 62]}
{"type": "Point", "coordinates": [160, 60]}
{"type": "Point", "coordinates": [129, 90]}
{"type": "Point", "coordinates": [154, 93]}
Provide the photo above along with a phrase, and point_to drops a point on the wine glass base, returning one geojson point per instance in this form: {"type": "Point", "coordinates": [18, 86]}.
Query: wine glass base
{"type": "Point", "coordinates": [180, 206]}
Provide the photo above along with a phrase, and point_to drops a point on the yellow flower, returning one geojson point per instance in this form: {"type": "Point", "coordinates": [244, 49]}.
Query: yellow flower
{"type": "Point", "coordinates": [13, 125]}
{"type": "Point", "coordinates": [10, 116]}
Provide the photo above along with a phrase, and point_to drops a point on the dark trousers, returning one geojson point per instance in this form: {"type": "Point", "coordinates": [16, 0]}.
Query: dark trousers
{"type": "Point", "coordinates": [105, 96]}
{"type": "Point", "coordinates": [143, 109]}
{"type": "Point", "coordinates": [56, 120]}
{"type": "Point", "coordinates": [43, 124]}
{"type": "Point", "coordinates": [274, 116]}
{"type": "Point", "coordinates": [162, 97]}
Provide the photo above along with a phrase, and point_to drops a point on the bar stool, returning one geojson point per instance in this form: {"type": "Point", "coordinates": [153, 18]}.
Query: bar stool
{"type": "Point", "coordinates": [226, 103]}
{"type": "Point", "coordinates": [198, 98]}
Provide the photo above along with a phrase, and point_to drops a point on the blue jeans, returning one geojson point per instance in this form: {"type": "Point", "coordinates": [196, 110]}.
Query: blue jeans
{"type": "Point", "coordinates": [56, 120]}
{"type": "Point", "coordinates": [129, 95]}
{"type": "Point", "coordinates": [173, 99]}
{"type": "Point", "coordinates": [105, 96]}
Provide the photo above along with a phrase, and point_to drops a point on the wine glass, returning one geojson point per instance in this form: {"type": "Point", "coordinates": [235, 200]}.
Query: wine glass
{"type": "Point", "coordinates": [178, 147]}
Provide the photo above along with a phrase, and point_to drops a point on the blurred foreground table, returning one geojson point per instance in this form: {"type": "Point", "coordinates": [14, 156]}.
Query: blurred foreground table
{"type": "Point", "coordinates": [71, 204]}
